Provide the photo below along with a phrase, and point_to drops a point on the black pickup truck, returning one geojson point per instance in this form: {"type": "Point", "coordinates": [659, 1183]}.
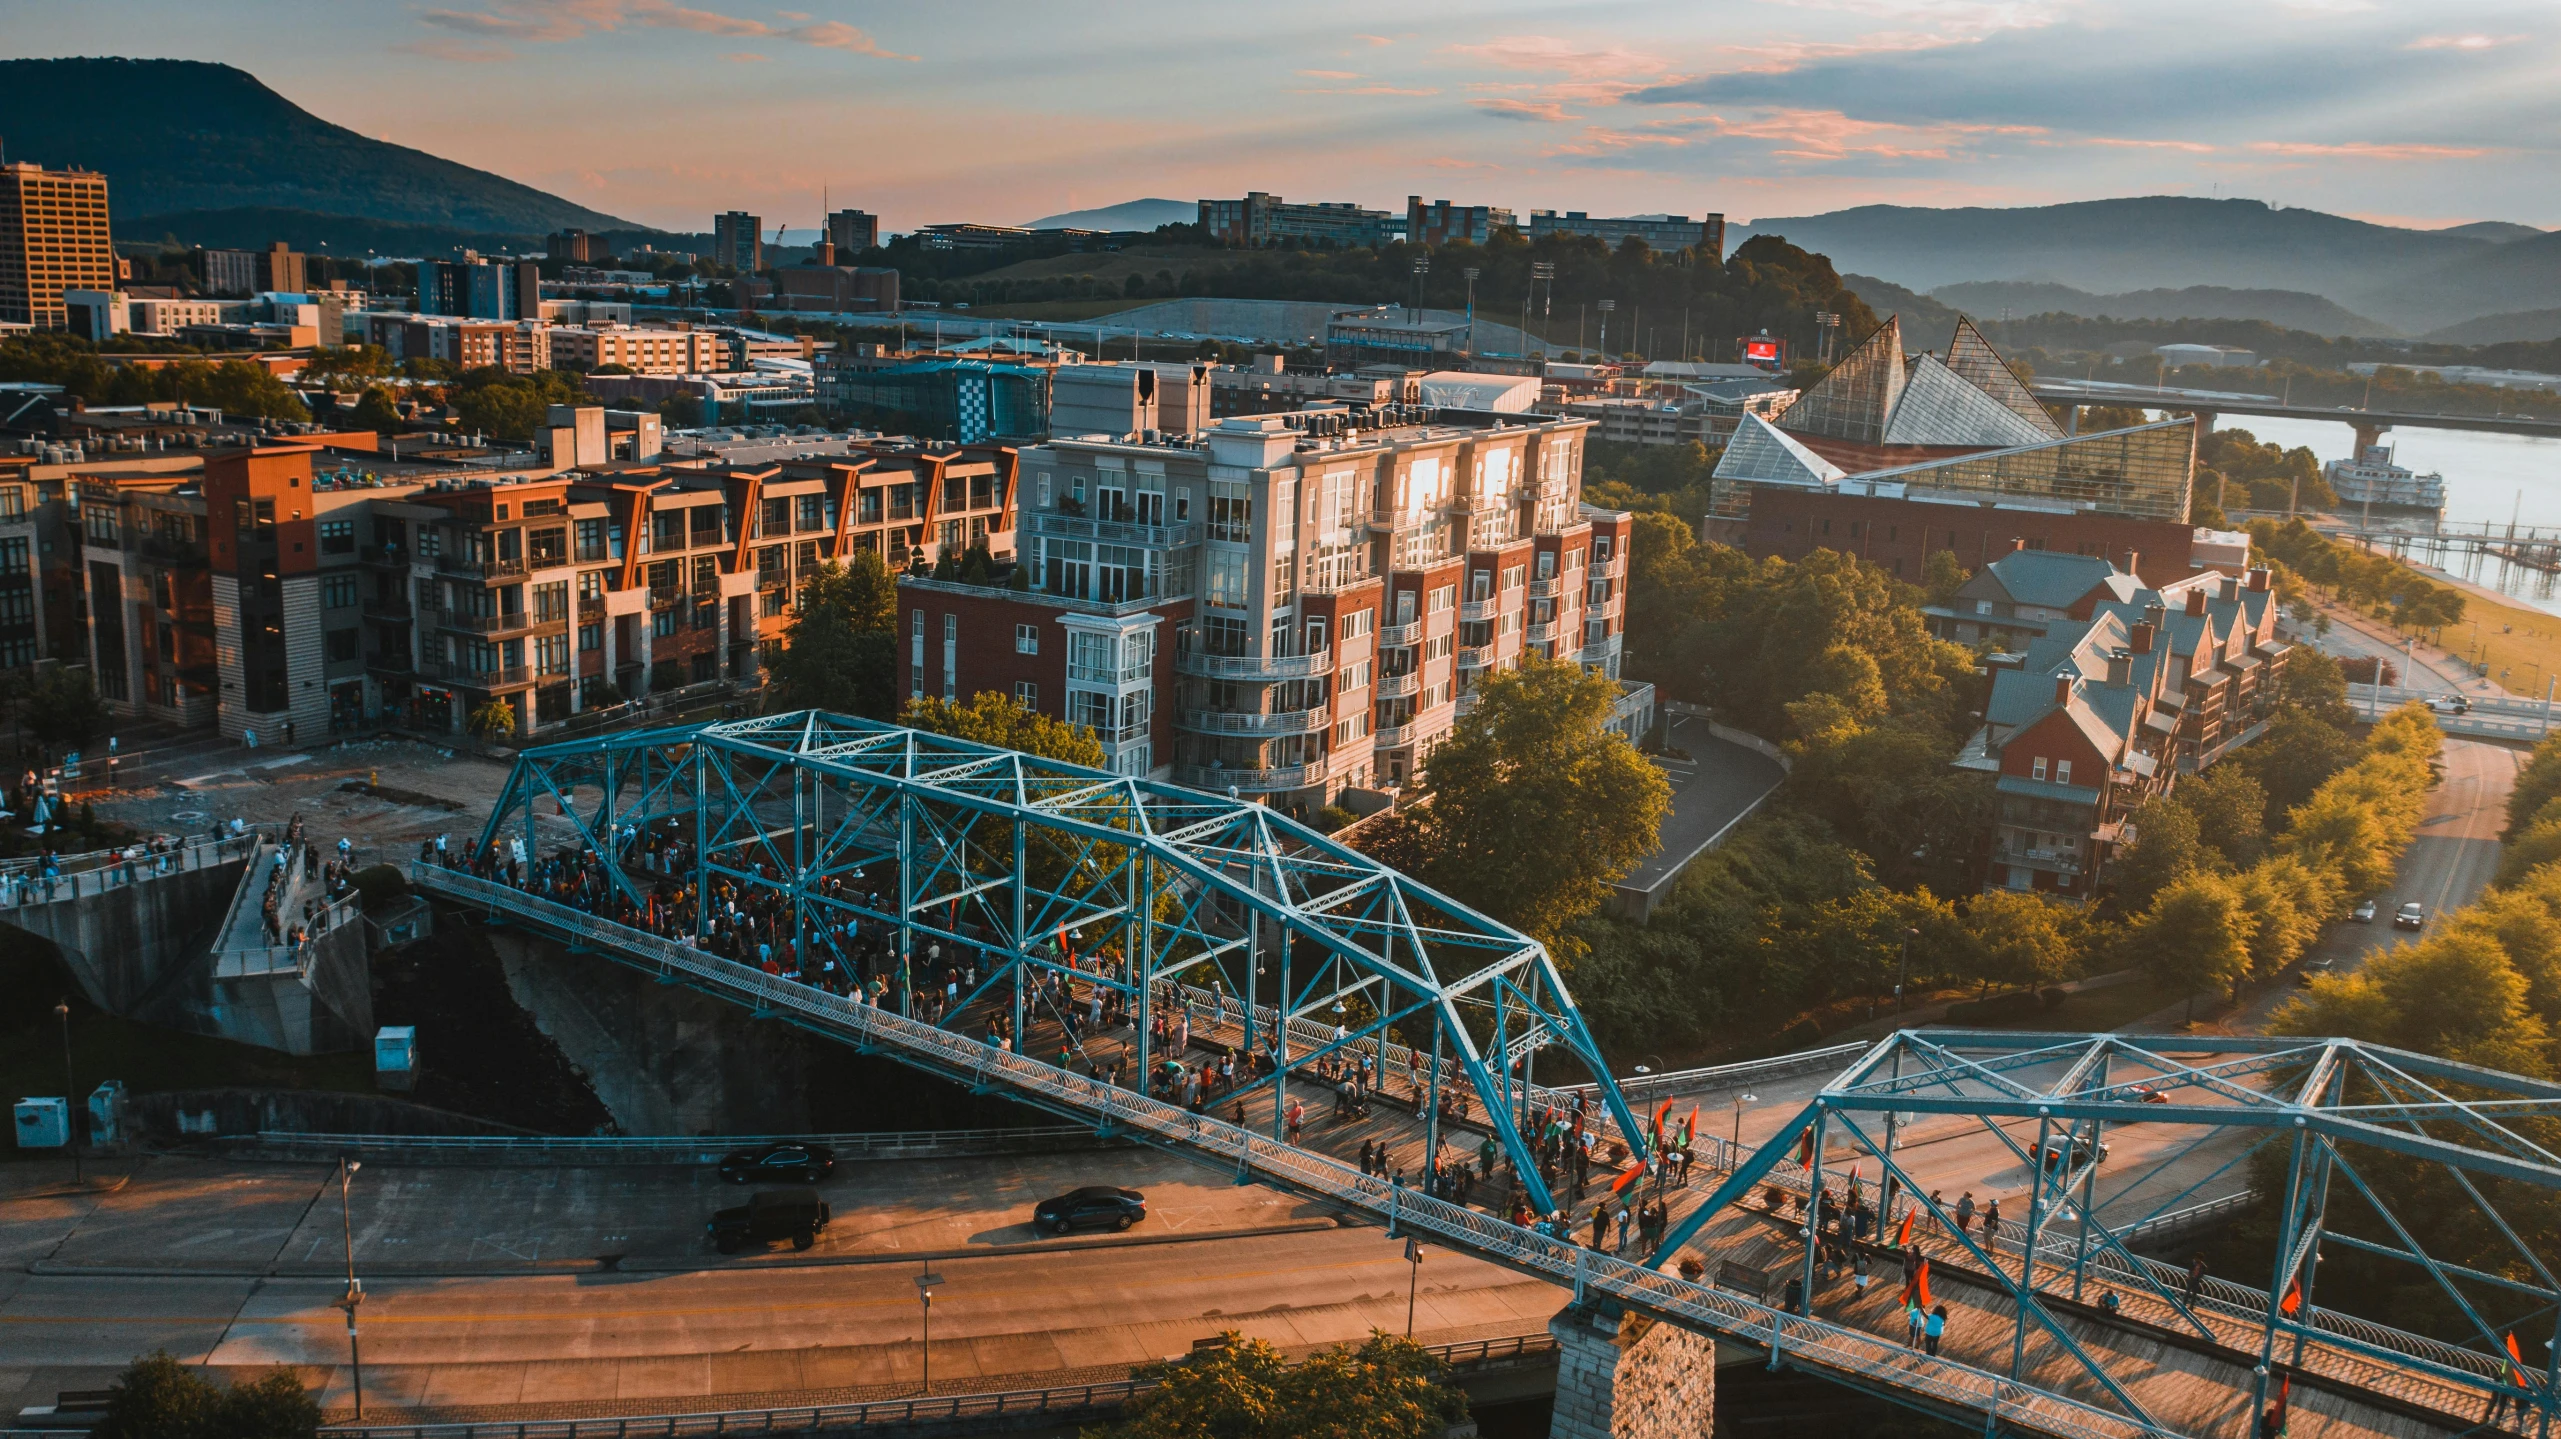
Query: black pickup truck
{"type": "Point", "coordinates": [793, 1214]}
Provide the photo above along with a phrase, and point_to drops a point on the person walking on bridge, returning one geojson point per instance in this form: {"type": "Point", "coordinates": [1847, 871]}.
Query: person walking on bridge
{"type": "Point", "coordinates": [1934, 1330]}
{"type": "Point", "coordinates": [2196, 1279]}
{"type": "Point", "coordinates": [1965, 1214]}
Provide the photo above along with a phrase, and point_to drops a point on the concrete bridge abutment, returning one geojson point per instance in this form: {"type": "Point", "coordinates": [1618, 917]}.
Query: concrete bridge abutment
{"type": "Point", "coordinates": [1624, 1376]}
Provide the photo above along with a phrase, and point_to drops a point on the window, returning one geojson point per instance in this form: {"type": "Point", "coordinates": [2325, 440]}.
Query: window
{"type": "Point", "coordinates": [1230, 573]}
{"type": "Point", "coordinates": [1444, 598]}
{"type": "Point", "coordinates": [542, 507]}
{"type": "Point", "coordinates": [2038, 767]}
{"type": "Point", "coordinates": [1231, 511]}
{"type": "Point", "coordinates": [1043, 490]}
{"type": "Point", "coordinates": [916, 654]}
{"type": "Point", "coordinates": [1438, 647]}
{"type": "Point", "coordinates": [951, 658]}
{"type": "Point", "coordinates": [1512, 577]}
{"type": "Point", "coordinates": [2062, 771]}
{"type": "Point", "coordinates": [1027, 694]}
{"type": "Point", "coordinates": [1137, 656]}
{"type": "Point", "coordinates": [707, 523]}
{"type": "Point", "coordinates": [551, 601]}
{"type": "Point", "coordinates": [551, 654]}
{"type": "Point", "coordinates": [812, 514]}
{"type": "Point", "coordinates": [667, 531]}
{"type": "Point", "coordinates": [1089, 658]}
{"type": "Point", "coordinates": [1090, 710]}
{"type": "Point", "coordinates": [775, 518]}
{"type": "Point", "coordinates": [591, 638]}
{"type": "Point", "coordinates": [1352, 728]}
{"type": "Point", "coordinates": [1356, 677]}
{"type": "Point", "coordinates": [342, 643]}
{"type": "Point", "coordinates": [591, 541]}
{"type": "Point", "coordinates": [707, 614]}
{"type": "Point", "coordinates": [1982, 607]}
{"type": "Point", "coordinates": [338, 537]}
{"type": "Point", "coordinates": [1027, 639]}
{"type": "Point", "coordinates": [662, 623]}
{"type": "Point", "coordinates": [336, 591]}
{"type": "Point", "coordinates": [1357, 623]}
{"type": "Point", "coordinates": [548, 547]}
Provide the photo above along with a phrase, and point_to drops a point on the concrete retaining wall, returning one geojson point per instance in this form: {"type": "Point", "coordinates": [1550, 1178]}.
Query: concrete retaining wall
{"type": "Point", "coordinates": [127, 946]}
{"type": "Point", "coordinates": [300, 1111]}
{"type": "Point", "coordinates": [1625, 1377]}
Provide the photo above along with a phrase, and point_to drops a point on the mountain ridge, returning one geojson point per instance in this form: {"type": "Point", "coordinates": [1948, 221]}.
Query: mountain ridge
{"type": "Point", "coordinates": [178, 137]}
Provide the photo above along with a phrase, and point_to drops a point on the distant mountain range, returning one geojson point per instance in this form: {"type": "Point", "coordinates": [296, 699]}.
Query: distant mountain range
{"type": "Point", "coordinates": [1127, 215]}
{"type": "Point", "coordinates": [208, 153]}
{"type": "Point", "coordinates": [2413, 280]}
{"type": "Point", "coordinates": [2290, 308]}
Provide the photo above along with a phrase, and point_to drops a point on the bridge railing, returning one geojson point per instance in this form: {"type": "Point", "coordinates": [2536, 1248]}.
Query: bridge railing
{"type": "Point", "coordinates": [649, 1148]}
{"type": "Point", "coordinates": [23, 881]}
{"type": "Point", "coordinates": [1812, 1342]}
{"type": "Point", "coordinates": [1067, 1399]}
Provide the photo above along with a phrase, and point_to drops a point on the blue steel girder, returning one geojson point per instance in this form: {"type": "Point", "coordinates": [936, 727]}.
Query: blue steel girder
{"type": "Point", "coordinates": [1179, 878]}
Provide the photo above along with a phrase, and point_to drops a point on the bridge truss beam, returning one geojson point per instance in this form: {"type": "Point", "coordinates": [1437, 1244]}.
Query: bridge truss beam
{"type": "Point", "coordinates": [1039, 867]}
{"type": "Point", "coordinates": [2487, 1134]}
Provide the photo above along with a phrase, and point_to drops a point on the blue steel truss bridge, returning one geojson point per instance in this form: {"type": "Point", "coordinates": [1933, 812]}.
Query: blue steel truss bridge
{"type": "Point", "coordinates": [1049, 892]}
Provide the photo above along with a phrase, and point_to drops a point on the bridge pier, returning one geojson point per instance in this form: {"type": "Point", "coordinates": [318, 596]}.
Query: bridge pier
{"type": "Point", "coordinates": [1623, 1376]}
{"type": "Point", "coordinates": [2367, 433]}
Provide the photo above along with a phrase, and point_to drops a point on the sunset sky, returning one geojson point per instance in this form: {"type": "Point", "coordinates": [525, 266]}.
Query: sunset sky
{"type": "Point", "coordinates": [661, 112]}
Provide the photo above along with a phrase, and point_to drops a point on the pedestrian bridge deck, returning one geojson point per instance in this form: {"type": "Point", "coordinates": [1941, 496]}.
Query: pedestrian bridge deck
{"type": "Point", "coordinates": [2185, 1385]}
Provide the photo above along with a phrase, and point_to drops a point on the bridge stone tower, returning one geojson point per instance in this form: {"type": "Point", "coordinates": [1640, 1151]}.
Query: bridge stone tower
{"type": "Point", "coordinates": [1623, 1376]}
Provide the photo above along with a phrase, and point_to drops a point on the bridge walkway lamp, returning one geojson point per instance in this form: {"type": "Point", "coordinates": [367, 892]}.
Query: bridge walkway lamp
{"type": "Point", "coordinates": [925, 1283]}
{"type": "Point", "coordinates": [355, 1292]}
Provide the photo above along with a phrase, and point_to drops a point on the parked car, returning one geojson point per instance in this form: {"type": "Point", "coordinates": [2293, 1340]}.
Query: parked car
{"type": "Point", "coordinates": [2314, 968]}
{"type": "Point", "coordinates": [2413, 915]}
{"type": "Point", "coordinates": [807, 1162]}
{"type": "Point", "coordinates": [2451, 705]}
{"type": "Point", "coordinates": [2068, 1153]}
{"type": "Point", "coordinates": [1097, 1206]}
{"type": "Point", "coordinates": [2363, 913]}
{"type": "Point", "coordinates": [794, 1214]}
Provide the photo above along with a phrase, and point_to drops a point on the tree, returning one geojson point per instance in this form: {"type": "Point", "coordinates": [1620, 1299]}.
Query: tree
{"type": "Point", "coordinates": [492, 720]}
{"type": "Point", "coordinates": [2454, 993]}
{"type": "Point", "coordinates": [157, 1397]}
{"type": "Point", "coordinates": [62, 707]}
{"type": "Point", "coordinates": [1537, 808]}
{"type": "Point", "coordinates": [1942, 574]}
{"type": "Point", "coordinates": [1386, 1389]}
{"type": "Point", "coordinates": [2195, 937]}
{"type": "Point", "coordinates": [2538, 784]}
{"type": "Point", "coordinates": [374, 411]}
{"type": "Point", "coordinates": [2231, 812]}
{"type": "Point", "coordinates": [994, 719]}
{"type": "Point", "coordinates": [2299, 752]}
{"type": "Point", "coordinates": [2017, 938]}
{"type": "Point", "coordinates": [2168, 847]}
{"type": "Point", "coordinates": [840, 650]}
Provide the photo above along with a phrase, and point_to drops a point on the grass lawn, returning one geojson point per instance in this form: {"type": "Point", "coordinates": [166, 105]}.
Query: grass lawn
{"type": "Point", "coordinates": [2524, 643]}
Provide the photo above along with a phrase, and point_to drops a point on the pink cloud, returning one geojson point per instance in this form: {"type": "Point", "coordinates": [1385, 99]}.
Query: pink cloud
{"type": "Point", "coordinates": [2119, 143]}
{"type": "Point", "coordinates": [2365, 150]}
{"type": "Point", "coordinates": [1332, 74]}
{"type": "Point", "coordinates": [457, 52]}
{"type": "Point", "coordinates": [560, 20]}
{"type": "Point", "coordinates": [1506, 109]}
{"type": "Point", "coordinates": [2462, 42]}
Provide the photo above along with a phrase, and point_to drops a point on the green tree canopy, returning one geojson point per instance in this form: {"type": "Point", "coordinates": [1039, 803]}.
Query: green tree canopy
{"type": "Point", "coordinates": [2196, 936]}
{"type": "Point", "coordinates": [2019, 939]}
{"type": "Point", "coordinates": [1385, 1389]}
{"type": "Point", "coordinates": [840, 649]}
{"type": "Point", "coordinates": [157, 1397]}
{"type": "Point", "coordinates": [995, 719]}
{"type": "Point", "coordinates": [1536, 807]}
{"type": "Point", "coordinates": [2169, 845]}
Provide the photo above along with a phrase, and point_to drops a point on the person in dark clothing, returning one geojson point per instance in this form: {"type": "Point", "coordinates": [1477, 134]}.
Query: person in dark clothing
{"type": "Point", "coordinates": [2196, 1279]}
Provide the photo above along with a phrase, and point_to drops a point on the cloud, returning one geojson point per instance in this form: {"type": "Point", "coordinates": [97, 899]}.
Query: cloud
{"type": "Point", "coordinates": [747, 57]}
{"type": "Point", "coordinates": [1822, 136]}
{"type": "Point", "coordinates": [2116, 142]}
{"type": "Point", "coordinates": [1364, 90]}
{"type": "Point", "coordinates": [1374, 39]}
{"type": "Point", "coordinates": [1549, 54]}
{"type": "Point", "coordinates": [458, 52]}
{"type": "Point", "coordinates": [2364, 150]}
{"type": "Point", "coordinates": [1332, 74]}
{"type": "Point", "coordinates": [550, 21]}
{"type": "Point", "coordinates": [1523, 109]}
{"type": "Point", "coordinates": [2462, 42]}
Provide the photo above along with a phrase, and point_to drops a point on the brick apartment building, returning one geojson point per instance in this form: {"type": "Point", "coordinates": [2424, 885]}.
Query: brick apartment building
{"type": "Point", "coordinates": [2113, 691]}
{"type": "Point", "coordinates": [1284, 605]}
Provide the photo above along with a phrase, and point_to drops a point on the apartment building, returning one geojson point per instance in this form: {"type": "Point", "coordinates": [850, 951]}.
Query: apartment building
{"type": "Point", "coordinates": [1283, 605]}
{"type": "Point", "coordinates": [477, 289]}
{"type": "Point", "coordinates": [2113, 692]}
{"type": "Point", "coordinates": [1441, 222]}
{"type": "Point", "coordinates": [852, 232]}
{"type": "Point", "coordinates": [22, 546]}
{"type": "Point", "coordinates": [53, 237]}
{"type": "Point", "coordinates": [738, 241]}
{"type": "Point", "coordinates": [1663, 234]}
{"type": "Point", "coordinates": [520, 346]}
{"type": "Point", "coordinates": [644, 351]}
{"type": "Point", "coordinates": [1260, 219]}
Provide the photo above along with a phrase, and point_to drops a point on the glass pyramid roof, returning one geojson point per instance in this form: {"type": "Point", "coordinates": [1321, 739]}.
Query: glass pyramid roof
{"type": "Point", "coordinates": [1978, 364]}
{"type": "Point", "coordinates": [1854, 401]}
{"type": "Point", "coordinates": [1938, 407]}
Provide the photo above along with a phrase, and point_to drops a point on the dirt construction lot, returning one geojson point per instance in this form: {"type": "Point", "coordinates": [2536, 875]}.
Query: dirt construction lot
{"type": "Point", "coordinates": [423, 790]}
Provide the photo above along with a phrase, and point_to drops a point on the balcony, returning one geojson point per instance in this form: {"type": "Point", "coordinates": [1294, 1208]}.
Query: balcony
{"type": "Point", "coordinates": [504, 677]}
{"type": "Point", "coordinates": [1391, 687]}
{"type": "Point", "coordinates": [503, 624]}
{"type": "Point", "coordinates": [1615, 567]}
{"type": "Point", "coordinates": [390, 557]}
{"type": "Point", "coordinates": [1119, 532]}
{"type": "Point", "coordinates": [1226, 722]}
{"type": "Point", "coordinates": [391, 664]}
{"type": "Point", "coordinates": [488, 568]}
{"type": "Point", "coordinates": [1603, 648]}
{"type": "Point", "coordinates": [1394, 736]}
{"type": "Point", "coordinates": [591, 607]}
{"type": "Point", "coordinates": [388, 611]}
{"type": "Point", "coordinates": [2063, 861]}
{"type": "Point", "coordinates": [1480, 609]}
{"type": "Point", "coordinates": [1399, 636]}
{"type": "Point", "coordinates": [1539, 634]}
{"type": "Point", "coordinates": [163, 550]}
{"type": "Point", "coordinates": [1252, 667]}
{"type": "Point", "coordinates": [1476, 657]}
{"type": "Point", "coordinates": [1550, 588]}
{"type": "Point", "coordinates": [1249, 781]}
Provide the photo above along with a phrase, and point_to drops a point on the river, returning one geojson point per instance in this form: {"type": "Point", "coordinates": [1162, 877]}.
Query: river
{"type": "Point", "coordinates": [2488, 477]}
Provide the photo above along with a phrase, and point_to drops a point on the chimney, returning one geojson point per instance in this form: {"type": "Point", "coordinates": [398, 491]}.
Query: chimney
{"type": "Point", "coordinates": [2134, 563]}
{"type": "Point", "coordinates": [2231, 587]}
{"type": "Point", "coordinates": [2154, 614]}
{"type": "Point", "coordinates": [2142, 635]}
{"type": "Point", "coordinates": [2259, 578]}
{"type": "Point", "coordinates": [2063, 689]}
{"type": "Point", "coordinates": [2017, 543]}
{"type": "Point", "coordinates": [2196, 600]}
{"type": "Point", "coordinates": [2120, 667]}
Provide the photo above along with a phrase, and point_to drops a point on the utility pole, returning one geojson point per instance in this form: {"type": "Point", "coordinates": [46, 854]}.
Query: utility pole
{"type": "Point", "coordinates": [1413, 1279]}
{"type": "Point", "coordinates": [70, 1090]}
{"type": "Point", "coordinates": [925, 1283]}
{"type": "Point", "coordinates": [1472, 272]}
{"type": "Point", "coordinates": [1606, 306]}
{"type": "Point", "coordinates": [355, 1294]}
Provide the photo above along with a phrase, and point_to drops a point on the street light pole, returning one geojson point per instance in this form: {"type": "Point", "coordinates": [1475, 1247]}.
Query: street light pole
{"type": "Point", "coordinates": [355, 1292]}
{"type": "Point", "coordinates": [70, 1090]}
{"type": "Point", "coordinates": [925, 1283]}
{"type": "Point", "coordinates": [1903, 967]}
{"type": "Point", "coordinates": [1413, 1279]}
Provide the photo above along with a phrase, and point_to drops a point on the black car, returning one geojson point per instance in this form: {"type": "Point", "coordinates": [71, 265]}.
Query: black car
{"type": "Point", "coordinates": [2071, 1153]}
{"type": "Point", "coordinates": [1097, 1206]}
{"type": "Point", "coordinates": [806, 1162]}
{"type": "Point", "coordinates": [793, 1214]}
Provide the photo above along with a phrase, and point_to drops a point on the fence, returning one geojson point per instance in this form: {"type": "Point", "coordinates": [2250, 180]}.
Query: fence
{"type": "Point", "coordinates": [1808, 1342]}
{"type": "Point", "coordinates": [650, 1148]}
{"type": "Point", "coordinates": [25, 882]}
{"type": "Point", "coordinates": [1074, 1399]}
